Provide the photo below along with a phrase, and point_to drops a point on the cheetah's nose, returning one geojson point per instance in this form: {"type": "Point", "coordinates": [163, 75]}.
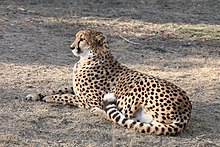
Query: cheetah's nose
{"type": "Point", "coordinates": [72, 47]}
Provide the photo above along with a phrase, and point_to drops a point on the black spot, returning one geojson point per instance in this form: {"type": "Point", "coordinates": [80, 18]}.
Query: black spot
{"type": "Point", "coordinates": [148, 130]}
{"type": "Point", "coordinates": [141, 83]}
{"type": "Point", "coordinates": [133, 123]}
{"type": "Point", "coordinates": [170, 129]}
{"type": "Point", "coordinates": [158, 90]}
{"type": "Point", "coordinates": [168, 101]}
{"type": "Point", "coordinates": [163, 117]}
{"type": "Point", "coordinates": [175, 129]}
{"type": "Point", "coordinates": [141, 124]}
{"type": "Point", "coordinates": [143, 131]}
{"type": "Point", "coordinates": [182, 120]}
{"type": "Point", "coordinates": [174, 94]}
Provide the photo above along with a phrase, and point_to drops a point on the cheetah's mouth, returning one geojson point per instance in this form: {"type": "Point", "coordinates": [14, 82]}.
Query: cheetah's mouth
{"type": "Point", "coordinates": [82, 52]}
{"type": "Point", "coordinates": [77, 51]}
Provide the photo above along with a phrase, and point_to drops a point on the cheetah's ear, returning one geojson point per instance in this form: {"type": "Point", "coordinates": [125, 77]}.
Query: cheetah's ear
{"type": "Point", "coordinates": [101, 39]}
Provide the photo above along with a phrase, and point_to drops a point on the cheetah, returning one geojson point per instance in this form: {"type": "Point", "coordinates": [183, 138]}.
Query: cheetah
{"type": "Point", "coordinates": [126, 97]}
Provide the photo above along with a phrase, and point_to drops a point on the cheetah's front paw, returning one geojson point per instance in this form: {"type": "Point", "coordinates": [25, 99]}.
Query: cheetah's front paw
{"type": "Point", "coordinates": [32, 97]}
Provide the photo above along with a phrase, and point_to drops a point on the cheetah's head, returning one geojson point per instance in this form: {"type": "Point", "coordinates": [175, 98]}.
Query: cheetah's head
{"type": "Point", "coordinates": [88, 43]}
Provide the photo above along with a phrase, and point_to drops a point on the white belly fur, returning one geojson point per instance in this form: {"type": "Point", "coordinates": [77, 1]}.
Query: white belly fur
{"type": "Point", "coordinates": [142, 116]}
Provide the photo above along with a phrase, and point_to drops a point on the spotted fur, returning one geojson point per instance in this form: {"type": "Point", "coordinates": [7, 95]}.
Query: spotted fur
{"type": "Point", "coordinates": [134, 100]}
{"type": "Point", "coordinates": [153, 127]}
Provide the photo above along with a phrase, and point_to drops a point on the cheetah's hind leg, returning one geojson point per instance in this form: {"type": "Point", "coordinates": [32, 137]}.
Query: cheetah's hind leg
{"type": "Point", "coordinates": [100, 112]}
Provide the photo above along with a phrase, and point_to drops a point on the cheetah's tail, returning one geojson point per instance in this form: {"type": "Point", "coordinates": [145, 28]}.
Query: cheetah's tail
{"type": "Point", "coordinates": [154, 127]}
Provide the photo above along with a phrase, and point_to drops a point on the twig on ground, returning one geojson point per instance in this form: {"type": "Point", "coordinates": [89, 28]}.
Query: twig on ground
{"type": "Point", "coordinates": [129, 40]}
{"type": "Point", "coordinates": [117, 19]}
{"type": "Point", "coordinates": [96, 18]}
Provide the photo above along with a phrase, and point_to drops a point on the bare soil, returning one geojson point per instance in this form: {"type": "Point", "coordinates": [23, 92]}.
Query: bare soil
{"type": "Point", "coordinates": [171, 39]}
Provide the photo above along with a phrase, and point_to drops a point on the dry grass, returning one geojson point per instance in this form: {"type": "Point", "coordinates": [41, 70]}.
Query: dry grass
{"type": "Point", "coordinates": [177, 40]}
{"type": "Point", "coordinates": [138, 28]}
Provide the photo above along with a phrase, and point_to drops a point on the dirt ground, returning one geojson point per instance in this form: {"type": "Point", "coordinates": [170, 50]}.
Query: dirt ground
{"type": "Point", "coordinates": [171, 39]}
